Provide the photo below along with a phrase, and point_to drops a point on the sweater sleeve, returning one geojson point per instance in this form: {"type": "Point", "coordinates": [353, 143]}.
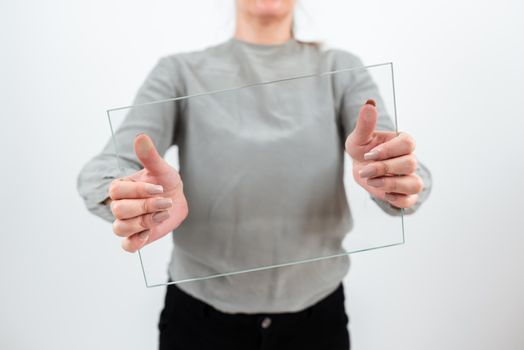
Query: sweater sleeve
{"type": "Point", "coordinates": [157, 120]}
{"type": "Point", "coordinates": [356, 88]}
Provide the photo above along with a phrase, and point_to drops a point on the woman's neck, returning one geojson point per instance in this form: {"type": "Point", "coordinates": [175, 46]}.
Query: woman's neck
{"type": "Point", "coordinates": [263, 31]}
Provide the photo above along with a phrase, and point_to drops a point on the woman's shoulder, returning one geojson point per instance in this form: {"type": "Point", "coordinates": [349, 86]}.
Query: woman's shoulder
{"type": "Point", "coordinates": [195, 59]}
{"type": "Point", "coordinates": [339, 59]}
{"type": "Point", "coordinates": [197, 70]}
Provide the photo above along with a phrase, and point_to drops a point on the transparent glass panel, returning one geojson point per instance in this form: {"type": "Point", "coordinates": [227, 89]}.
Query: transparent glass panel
{"type": "Point", "coordinates": [265, 174]}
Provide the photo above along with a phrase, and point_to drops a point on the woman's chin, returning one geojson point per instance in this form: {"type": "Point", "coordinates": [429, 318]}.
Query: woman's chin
{"type": "Point", "coordinates": [273, 8]}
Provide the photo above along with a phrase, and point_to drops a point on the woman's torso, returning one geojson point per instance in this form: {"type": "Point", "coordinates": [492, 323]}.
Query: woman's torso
{"type": "Point", "coordinates": [263, 174]}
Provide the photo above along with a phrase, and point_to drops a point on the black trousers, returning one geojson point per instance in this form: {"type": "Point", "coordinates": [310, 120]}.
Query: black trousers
{"type": "Point", "coordinates": [187, 323]}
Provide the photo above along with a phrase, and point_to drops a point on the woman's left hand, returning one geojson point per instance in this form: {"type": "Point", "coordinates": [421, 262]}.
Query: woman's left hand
{"type": "Point", "coordinates": [383, 161]}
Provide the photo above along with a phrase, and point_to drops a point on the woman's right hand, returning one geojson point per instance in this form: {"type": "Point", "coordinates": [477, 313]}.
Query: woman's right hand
{"type": "Point", "coordinates": [150, 203]}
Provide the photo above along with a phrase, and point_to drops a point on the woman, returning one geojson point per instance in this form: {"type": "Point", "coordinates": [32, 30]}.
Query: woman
{"type": "Point", "coordinates": [299, 307]}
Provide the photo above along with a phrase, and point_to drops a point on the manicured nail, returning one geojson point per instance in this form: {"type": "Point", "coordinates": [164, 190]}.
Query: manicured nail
{"type": "Point", "coordinates": [368, 171]}
{"type": "Point", "coordinates": [371, 102]}
{"type": "Point", "coordinates": [160, 216]}
{"type": "Point", "coordinates": [144, 235]}
{"type": "Point", "coordinates": [144, 146]}
{"type": "Point", "coordinates": [391, 197]}
{"type": "Point", "coordinates": [373, 155]}
{"type": "Point", "coordinates": [163, 203]}
{"type": "Point", "coordinates": [376, 183]}
{"type": "Point", "coordinates": [153, 189]}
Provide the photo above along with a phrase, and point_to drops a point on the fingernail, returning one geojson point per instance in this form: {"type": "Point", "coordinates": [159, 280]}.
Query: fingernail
{"type": "Point", "coordinates": [391, 197]}
{"type": "Point", "coordinates": [144, 235]}
{"type": "Point", "coordinates": [154, 189]}
{"type": "Point", "coordinates": [376, 182]}
{"type": "Point", "coordinates": [371, 102]}
{"type": "Point", "coordinates": [367, 171]}
{"type": "Point", "coordinates": [373, 155]}
{"type": "Point", "coordinates": [144, 146]}
{"type": "Point", "coordinates": [163, 203]}
{"type": "Point", "coordinates": [160, 216]}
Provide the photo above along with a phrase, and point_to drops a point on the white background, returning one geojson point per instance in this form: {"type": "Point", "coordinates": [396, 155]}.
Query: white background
{"type": "Point", "coordinates": [458, 283]}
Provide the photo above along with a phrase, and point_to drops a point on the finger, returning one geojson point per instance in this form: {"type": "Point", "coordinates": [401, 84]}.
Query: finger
{"type": "Point", "coordinates": [138, 240]}
{"type": "Point", "coordinates": [128, 227]}
{"type": "Point", "coordinates": [410, 184]}
{"type": "Point", "coordinates": [120, 189]}
{"type": "Point", "coordinates": [401, 200]}
{"type": "Point", "coordinates": [129, 208]}
{"type": "Point", "coordinates": [403, 165]}
{"type": "Point", "coordinates": [398, 146]}
{"type": "Point", "coordinates": [148, 155]}
{"type": "Point", "coordinates": [366, 123]}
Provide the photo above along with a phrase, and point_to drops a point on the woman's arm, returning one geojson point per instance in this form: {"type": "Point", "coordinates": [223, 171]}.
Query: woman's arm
{"type": "Point", "coordinates": [410, 197]}
{"type": "Point", "coordinates": [158, 121]}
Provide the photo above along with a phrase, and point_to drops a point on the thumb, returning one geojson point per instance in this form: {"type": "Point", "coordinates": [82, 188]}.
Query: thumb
{"type": "Point", "coordinates": [367, 121]}
{"type": "Point", "coordinates": [148, 155]}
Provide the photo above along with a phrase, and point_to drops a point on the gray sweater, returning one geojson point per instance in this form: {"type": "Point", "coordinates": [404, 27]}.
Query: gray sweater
{"type": "Point", "coordinates": [262, 169]}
